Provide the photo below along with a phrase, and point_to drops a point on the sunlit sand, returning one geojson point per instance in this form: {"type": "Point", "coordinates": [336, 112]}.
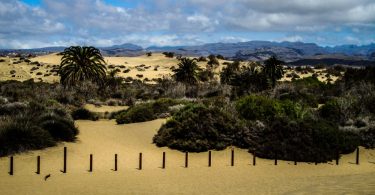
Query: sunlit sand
{"type": "Point", "coordinates": [104, 138]}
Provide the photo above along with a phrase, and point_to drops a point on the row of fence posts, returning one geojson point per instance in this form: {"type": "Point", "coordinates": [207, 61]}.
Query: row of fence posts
{"type": "Point", "coordinates": [11, 167]}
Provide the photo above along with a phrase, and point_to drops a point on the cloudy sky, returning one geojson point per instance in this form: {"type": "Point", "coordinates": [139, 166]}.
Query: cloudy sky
{"type": "Point", "coordinates": [41, 23]}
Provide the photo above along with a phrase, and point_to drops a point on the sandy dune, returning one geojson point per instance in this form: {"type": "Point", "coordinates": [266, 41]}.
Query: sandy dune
{"type": "Point", "coordinates": [104, 138]}
{"type": "Point", "coordinates": [142, 67]}
{"type": "Point", "coordinates": [155, 66]}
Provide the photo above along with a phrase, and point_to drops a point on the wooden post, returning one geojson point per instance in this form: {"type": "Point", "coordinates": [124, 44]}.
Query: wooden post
{"type": "Point", "coordinates": [11, 166]}
{"type": "Point", "coordinates": [115, 162]}
{"type": "Point", "coordinates": [337, 157]}
{"type": "Point", "coordinates": [65, 160]}
{"type": "Point", "coordinates": [140, 161]}
{"type": "Point", "coordinates": [91, 168]}
{"type": "Point", "coordinates": [295, 158]}
{"type": "Point", "coordinates": [357, 157]}
{"type": "Point", "coordinates": [163, 164]}
{"type": "Point", "coordinates": [254, 159]}
{"type": "Point", "coordinates": [232, 158]}
{"type": "Point", "coordinates": [209, 158]}
{"type": "Point", "coordinates": [37, 165]}
{"type": "Point", "coordinates": [275, 158]}
{"type": "Point", "coordinates": [186, 159]}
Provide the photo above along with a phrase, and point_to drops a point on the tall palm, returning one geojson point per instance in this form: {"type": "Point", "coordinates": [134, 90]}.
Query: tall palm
{"type": "Point", "coordinates": [82, 63]}
{"type": "Point", "coordinates": [273, 69]}
{"type": "Point", "coordinates": [187, 71]}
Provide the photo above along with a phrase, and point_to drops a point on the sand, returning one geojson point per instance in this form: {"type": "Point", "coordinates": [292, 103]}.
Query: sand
{"type": "Point", "coordinates": [162, 64]}
{"type": "Point", "coordinates": [104, 108]}
{"type": "Point", "coordinates": [104, 138]}
{"type": "Point", "coordinates": [146, 68]}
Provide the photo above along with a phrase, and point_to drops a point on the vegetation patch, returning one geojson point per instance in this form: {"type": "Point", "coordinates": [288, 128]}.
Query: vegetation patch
{"type": "Point", "coordinates": [147, 111]}
{"type": "Point", "coordinates": [198, 128]}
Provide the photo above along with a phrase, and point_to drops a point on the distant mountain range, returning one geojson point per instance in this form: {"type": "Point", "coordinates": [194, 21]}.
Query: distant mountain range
{"type": "Point", "coordinates": [296, 53]}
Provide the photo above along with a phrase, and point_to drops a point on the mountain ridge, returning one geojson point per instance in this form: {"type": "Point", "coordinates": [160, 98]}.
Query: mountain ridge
{"type": "Point", "coordinates": [250, 50]}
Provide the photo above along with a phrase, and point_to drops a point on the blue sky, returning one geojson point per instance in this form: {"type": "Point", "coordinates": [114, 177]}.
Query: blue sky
{"type": "Point", "coordinates": [41, 23]}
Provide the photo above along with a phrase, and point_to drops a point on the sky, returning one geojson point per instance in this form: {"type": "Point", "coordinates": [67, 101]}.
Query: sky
{"type": "Point", "coordinates": [42, 23]}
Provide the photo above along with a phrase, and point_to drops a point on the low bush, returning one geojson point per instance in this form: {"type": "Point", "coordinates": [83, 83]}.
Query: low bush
{"type": "Point", "coordinates": [197, 128]}
{"type": "Point", "coordinates": [21, 136]}
{"type": "Point", "coordinates": [331, 111]}
{"type": "Point", "coordinates": [367, 137]}
{"type": "Point", "coordinates": [262, 108]}
{"type": "Point", "coordinates": [137, 113]}
{"type": "Point", "coordinates": [146, 111]}
{"type": "Point", "coordinates": [59, 128]}
{"type": "Point", "coordinates": [305, 140]}
{"type": "Point", "coordinates": [84, 114]}
{"type": "Point", "coordinates": [24, 126]}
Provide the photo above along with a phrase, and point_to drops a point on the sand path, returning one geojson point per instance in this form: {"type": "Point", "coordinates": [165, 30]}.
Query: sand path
{"type": "Point", "coordinates": [104, 138]}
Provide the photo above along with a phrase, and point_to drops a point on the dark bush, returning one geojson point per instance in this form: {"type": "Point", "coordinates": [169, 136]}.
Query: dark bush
{"type": "Point", "coordinates": [305, 140]}
{"type": "Point", "coordinates": [146, 111]}
{"type": "Point", "coordinates": [197, 128]}
{"type": "Point", "coordinates": [168, 54]}
{"type": "Point", "coordinates": [137, 113]}
{"type": "Point", "coordinates": [21, 136]}
{"type": "Point", "coordinates": [84, 114]}
{"type": "Point", "coordinates": [60, 129]}
{"type": "Point", "coordinates": [331, 111]}
{"type": "Point", "coordinates": [367, 137]}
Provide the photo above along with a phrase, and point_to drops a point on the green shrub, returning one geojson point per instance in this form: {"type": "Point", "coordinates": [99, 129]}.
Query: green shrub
{"type": "Point", "coordinates": [197, 128]}
{"type": "Point", "coordinates": [305, 140]}
{"type": "Point", "coordinates": [146, 111]}
{"type": "Point", "coordinates": [258, 108]}
{"type": "Point", "coordinates": [21, 136]}
{"type": "Point", "coordinates": [60, 129]}
{"type": "Point", "coordinates": [331, 111]}
{"type": "Point", "coordinates": [84, 114]}
{"type": "Point", "coordinates": [137, 113]}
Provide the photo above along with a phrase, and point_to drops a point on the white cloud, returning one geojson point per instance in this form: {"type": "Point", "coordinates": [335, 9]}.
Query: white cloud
{"type": "Point", "coordinates": [295, 38]}
{"type": "Point", "coordinates": [180, 22]}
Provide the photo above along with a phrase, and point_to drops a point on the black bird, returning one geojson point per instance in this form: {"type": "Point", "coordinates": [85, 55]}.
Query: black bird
{"type": "Point", "coordinates": [46, 177]}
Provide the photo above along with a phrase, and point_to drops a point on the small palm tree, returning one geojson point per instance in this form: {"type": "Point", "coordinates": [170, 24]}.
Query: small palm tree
{"type": "Point", "coordinates": [82, 63]}
{"type": "Point", "coordinates": [273, 69]}
{"type": "Point", "coordinates": [112, 80]}
{"type": "Point", "coordinates": [187, 71]}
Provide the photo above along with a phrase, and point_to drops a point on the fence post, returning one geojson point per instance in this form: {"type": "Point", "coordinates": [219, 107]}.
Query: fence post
{"type": "Point", "coordinates": [91, 167]}
{"type": "Point", "coordinates": [186, 159]}
{"type": "Point", "coordinates": [163, 164]}
{"type": "Point", "coordinates": [37, 165]}
{"type": "Point", "coordinates": [209, 158]}
{"type": "Point", "coordinates": [65, 160]}
{"type": "Point", "coordinates": [337, 157]}
{"type": "Point", "coordinates": [115, 162]}
{"type": "Point", "coordinates": [232, 158]}
{"type": "Point", "coordinates": [295, 158]}
{"type": "Point", "coordinates": [275, 158]}
{"type": "Point", "coordinates": [140, 161]}
{"type": "Point", "coordinates": [357, 157]}
{"type": "Point", "coordinates": [11, 166]}
{"type": "Point", "coordinates": [254, 159]}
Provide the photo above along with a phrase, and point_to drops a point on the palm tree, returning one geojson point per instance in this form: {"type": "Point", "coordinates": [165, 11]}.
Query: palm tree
{"type": "Point", "coordinates": [227, 73]}
{"type": "Point", "coordinates": [112, 80]}
{"type": "Point", "coordinates": [273, 69]}
{"type": "Point", "coordinates": [82, 63]}
{"type": "Point", "coordinates": [187, 71]}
